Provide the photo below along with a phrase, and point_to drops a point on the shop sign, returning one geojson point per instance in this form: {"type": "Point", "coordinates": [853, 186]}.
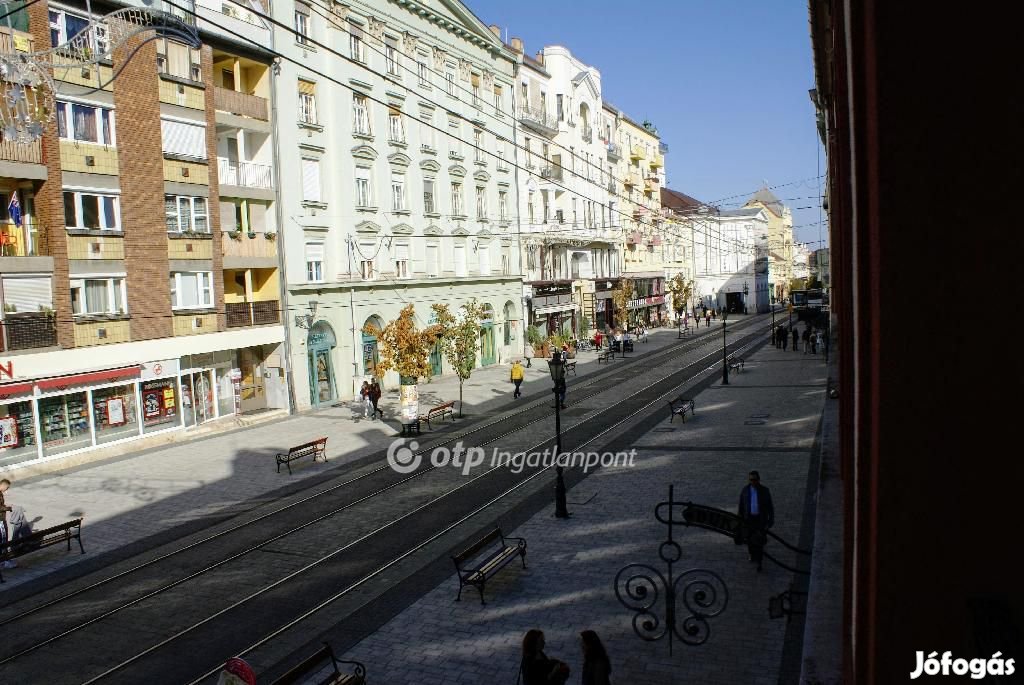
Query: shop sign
{"type": "Point", "coordinates": [236, 387]}
{"type": "Point", "coordinates": [7, 369]}
{"type": "Point", "coordinates": [159, 369]}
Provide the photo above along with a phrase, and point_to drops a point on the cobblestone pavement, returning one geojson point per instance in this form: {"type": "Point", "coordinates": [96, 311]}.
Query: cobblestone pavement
{"type": "Point", "coordinates": [765, 419]}
{"type": "Point", "coordinates": [143, 499]}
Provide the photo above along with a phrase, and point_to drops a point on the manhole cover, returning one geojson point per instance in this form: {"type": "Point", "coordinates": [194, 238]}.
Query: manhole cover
{"type": "Point", "coordinates": [755, 422]}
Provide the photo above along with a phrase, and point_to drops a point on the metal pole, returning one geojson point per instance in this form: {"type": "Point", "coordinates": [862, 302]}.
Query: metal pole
{"type": "Point", "coordinates": [725, 357]}
{"type": "Point", "coordinates": [561, 511]}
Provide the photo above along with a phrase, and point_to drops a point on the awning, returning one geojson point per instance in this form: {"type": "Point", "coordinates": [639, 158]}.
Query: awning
{"type": "Point", "coordinates": [551, 309]}
{"type": "Point", "coordinates": [91, 377]}
{"type": "Point", "coordinates": [9, 389]}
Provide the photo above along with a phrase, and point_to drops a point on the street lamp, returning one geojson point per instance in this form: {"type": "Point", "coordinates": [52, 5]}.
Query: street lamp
{"type": "Point", "coordinates": [746, 291]}
{"type": "Point", "coordinates": [557, 369]}
{"type": "Point", "coordinates": [725, 358]}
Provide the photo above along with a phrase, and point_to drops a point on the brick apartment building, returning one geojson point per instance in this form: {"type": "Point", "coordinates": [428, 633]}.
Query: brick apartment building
{"type": "Point", "coordinates": [141, 283]}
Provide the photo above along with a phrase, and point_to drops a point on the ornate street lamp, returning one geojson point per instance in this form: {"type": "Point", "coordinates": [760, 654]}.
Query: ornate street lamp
{"type": "Point", "coordinates": [557, 369]}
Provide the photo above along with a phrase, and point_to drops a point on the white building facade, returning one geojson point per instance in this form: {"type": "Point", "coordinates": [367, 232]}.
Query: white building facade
{"type": "Point", "coordinates": [396, 180]}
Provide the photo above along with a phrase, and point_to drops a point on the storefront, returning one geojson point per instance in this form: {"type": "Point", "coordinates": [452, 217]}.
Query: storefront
{"type": "Point", "coordinates": [648, 306]}
{"type": "Point", "coordinates": [552, 310]}
{"type": "Point", "coordinates": [320, 344]}
{"type": "Point", "coordinates": [604, 305]}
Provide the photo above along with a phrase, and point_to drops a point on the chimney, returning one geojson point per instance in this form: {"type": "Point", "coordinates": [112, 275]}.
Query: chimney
{"type": "Point", "coordinates": [540, 57]}
{"type": "Point", "coordinates": [496, 30]}
{"type": "Point", "coordinates": [517, 44]}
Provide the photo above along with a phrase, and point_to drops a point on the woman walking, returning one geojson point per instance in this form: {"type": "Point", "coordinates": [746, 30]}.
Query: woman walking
{"type": "Point", "coordinates": [375, 394]}
{"type": "Point", "coordinates": [536, 668]}
{"type": "Point", "coordinates": [597, 669]}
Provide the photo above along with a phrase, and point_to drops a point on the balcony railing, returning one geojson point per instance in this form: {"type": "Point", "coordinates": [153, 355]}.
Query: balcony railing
{"type": "Point", "coordinates": [241, 314]}
{"type": "Point", "coordinates": [21, 42]}
{"type": "Point", "coordinates": [637, 152]}
{"type": "Point", "coordinates": [588, 134]}
{"type": "Point", "coordinates": [28, 331]}
{"type": "Point", "coordinates": [537, 117]}
{"type": "Point", "coordinates": [657, 161]}
{"type": "Point", "coordinates": [21, 241]}
{"type": "Point", "coordinates": [614, 152]}
{"type": "Point", "coordinates": [242, 104]}
{"type": "Point", "coordinates": [30, 153]}
{"type": "Point", "coordinates": [245, 174]}
{"type": "Point", "coordinates": [552, 172]}
{"type": "Point", "coordinates": [631, 179]}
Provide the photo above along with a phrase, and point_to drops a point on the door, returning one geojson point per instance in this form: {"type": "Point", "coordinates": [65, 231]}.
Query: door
{"type": "Point", "coordinates": [202, 396]}
{"type": "Point", "coordinates": [487, 344]}
{"type": "Point", "coordinates": [435, 360]}
{"type": "Point", "coordinates": [253, 393]}
{"type": "Point", "coordinates": [322, 373]}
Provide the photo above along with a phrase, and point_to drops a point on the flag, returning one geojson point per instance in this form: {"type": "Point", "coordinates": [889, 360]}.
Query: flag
{"type": "Point", "coordinates": [14, 209]}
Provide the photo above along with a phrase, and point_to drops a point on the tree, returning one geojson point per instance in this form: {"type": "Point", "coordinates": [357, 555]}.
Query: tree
{"type": "Point", "coordinates": [682, 291]}
{"type": "Point", "coordinates": [797, 284]}
{"type": "Point", "coordinates": [621, 298]}
{"type": "Point", "coordinates": [403, 346]}
{"type": "Point", "coordinates": [459, 336]}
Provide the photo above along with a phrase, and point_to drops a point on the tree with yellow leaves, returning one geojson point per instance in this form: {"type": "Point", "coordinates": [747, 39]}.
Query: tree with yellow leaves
{"type": "Point", "coordinates": [682, 291]}
{"type": "Point", "coordinates": [403, 346]}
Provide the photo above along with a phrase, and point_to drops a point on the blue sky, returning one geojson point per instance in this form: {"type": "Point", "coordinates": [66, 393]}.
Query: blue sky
{"type": "Point", "coordinates": [725, 83]}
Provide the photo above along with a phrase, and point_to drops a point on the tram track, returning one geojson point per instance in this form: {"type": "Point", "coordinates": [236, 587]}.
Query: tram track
{"type": "Point", "coordinates": [322, 572]}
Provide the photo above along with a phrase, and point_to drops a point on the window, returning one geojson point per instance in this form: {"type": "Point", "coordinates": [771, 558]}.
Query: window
{"type": "Point", "coordinates": [310, 180]}
{"type": "Point", "coordinates": [529, 208]}
{"type": "Point", "coordinates": [525, 94]}
{"type": "Point", "coordinates": [364, 196]}
{"type": "Point", "coordinates": [481, 202]}
{"type": "Point", "coordinates": [455, 135]}
{"type": "Point", "coordinates": [427, 130]}
{"type": "Point", "coordinates": [478, 144]}
{"type": "Point", "coordinates": [498, 99]}
{"type": "Point", "coordinates": [181, 139]}
{"type": "Point", "coordinates": [357, 47]}
{"type": "Point", "coordinates": [475, 83]}
{"type": "Point", "coordinates": [484, 255]}
{"type": "Point", "coordinates": [92, 211]}
{"type": "Point", "coordinates": [559, 105]}
{"type": "Point", "coordinates": [433, 261]}
{"type": "Point", "coordinates": [65, 26]}
{"type": "Point", "coordinates": [307, 102]}
{"type": "Point", "coordinates": [401, 261]}
{"type": "Point", "coordinates": [422, 70]}
{"type": "Point", "coordinates": [302, 24]}
{"type": "Point", "coordinates": [449, 77]}
{"type": "Point", "coordinates": [85, 123]}
{"type": "Point", "coordinates": [460, 260]}
{"type": "Point", "coordinates": [502, 205]}
{"type": "Point", "coordinates": [366, 270]}
{"type": "Point", "coordinates": [181, 61]}
{"type": "Point", "coordinates": [506, 260]}
{"type": "Point", "coordinates": [397, 193]}
{"type": "Point", "coordinates": [191, 289]}
{"type": "Point", "coordinates": [457, 199]}
{"type": "Point", "coordinates": [314, 261]}
{"type": "Point", "coordinates": [360, 115]}
{"type": "Point", "coordinates": [98, 296]}
{"type": "Point", "coordinates": [186, 214]}
{"type": "Point", "coordinates": [428, 196]}
{"type": "Point", "coordinates": [391, 55]}
{"type": "Point", "coordinates": [502, 166]}
{"type": "Point", "coordinates": [396, 130]}
{"type": "Point", "coordinates": [529, 155]}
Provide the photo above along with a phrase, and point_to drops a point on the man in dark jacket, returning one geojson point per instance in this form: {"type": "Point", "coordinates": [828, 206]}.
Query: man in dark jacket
{"type": "Point", "coordinates": [758, 513]}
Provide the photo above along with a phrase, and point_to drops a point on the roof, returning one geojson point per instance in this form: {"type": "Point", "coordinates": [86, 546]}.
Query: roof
{"type": "Point", "coordinates": [746, 211]}
{"type": "Point", "coordinates": [682, 203]}
{"type": "Point", "coordinates": [768, 199]}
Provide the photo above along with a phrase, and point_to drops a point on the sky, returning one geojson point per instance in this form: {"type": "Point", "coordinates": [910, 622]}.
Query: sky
{"type": "Point", "coordinates": [724, 81]}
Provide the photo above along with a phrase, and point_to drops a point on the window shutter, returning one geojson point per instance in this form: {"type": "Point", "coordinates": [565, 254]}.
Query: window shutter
{"type": "Point", "coordinates": [185, 140]}
{"type": "Point", "coordinates": [28, 294]}
{"type": "Point", "coordinates": [314, 252]}
{"type": "Point", "coordinates": [311, 180]}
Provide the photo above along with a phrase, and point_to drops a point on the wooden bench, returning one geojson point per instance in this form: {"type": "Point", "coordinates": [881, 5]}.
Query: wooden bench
{"type": "Point", "coordinates": [735, 364]}
{"type": "Point", "coordinates": [316, 448]}
{"type": "Point", "coordinates": [440, 411]}
{"type": "Point", "coordinates": [301, 672]}
{"type": "Point", "coordinates": [478, 575]}
{"type": "Point", "coordinates": [605, 355]}
{"type": "Point", "coordinates": [683, 330]}
{"type": "Point", "coordinates": [40, 539]}
{"type": "Point", "coordinates": [679, 407]}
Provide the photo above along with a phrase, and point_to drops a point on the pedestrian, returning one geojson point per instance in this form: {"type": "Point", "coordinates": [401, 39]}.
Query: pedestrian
{"type": "Point", "coordinates": [822, 340]}
{"type": "Point", "coordinates": [536, 668]}
{"type": "Point", "coordinates": [714, 314]}
{"type": "Point", "coordinates": [808, 345]}
{"type": "Point", "coordinates": [597, 669]}
{"type": "Point", "coordinates": [796, 336]}
{"type": "Point", "coordinates": [517, 378]}
{"type": "Point", "coordinates": [785, 338]}
{"type": "Point", "coordinates": [528, 353]}
{"type": "Point", "coordinates": [375, 393]}
{"type": "Point", "coordinates": [758, 513]}
{"type": "Point", "coordinates": [364, 397]}
{"type": "Point", "coordinates": [598, 338]}
{"type": "Point", "coordinates": [4, 485]}
{"type": "Point", "coordinates": [707, 318]}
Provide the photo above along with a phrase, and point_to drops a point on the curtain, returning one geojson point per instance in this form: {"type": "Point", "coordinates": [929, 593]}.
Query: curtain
{"type": "Point", "coordinates": [85, 123]}
{"type": "Point", "coordinates": [96, 297]}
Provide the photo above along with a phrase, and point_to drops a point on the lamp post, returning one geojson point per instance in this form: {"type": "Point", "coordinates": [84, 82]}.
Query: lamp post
{"type": "Point", "coordinates": [725, 357]}
{"type": "Point", "coordinates": [557, 369]}
{"type": "Point", "coordinates": [746, 291]}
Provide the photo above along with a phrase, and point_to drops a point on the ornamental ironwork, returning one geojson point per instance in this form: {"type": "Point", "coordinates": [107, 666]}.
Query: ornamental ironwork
{"type": "Point", "coordinates": [639, 588]}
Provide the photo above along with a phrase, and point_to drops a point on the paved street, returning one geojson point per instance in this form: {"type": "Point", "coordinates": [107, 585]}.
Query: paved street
{"type": "Point", "coordinates": [765, 419]}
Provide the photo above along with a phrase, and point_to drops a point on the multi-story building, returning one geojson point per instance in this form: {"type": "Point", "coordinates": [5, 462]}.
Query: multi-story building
{"type": "Point", "coordinates": [678, 211]}
{"type": "Point", "coordinates": [398, 180]}
{"type": "Point", "coordinates": [780, 241]}
{"type": "Point", "coordinates": [639, 172]}
{"type": "Point", "coordinates": [571, 251]}
{"type": "Point", "coordinates": [129, 307]}
{"type": "Point", "coordinates": [801, 255]}
{"type": "Point", "coordinates": [737, 287]}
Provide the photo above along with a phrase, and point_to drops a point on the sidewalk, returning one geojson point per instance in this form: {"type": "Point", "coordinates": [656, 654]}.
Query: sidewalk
{"type": "Point", "coordinates": [156, 494]}
{"type": "Point", "coordinates": [765, 419]}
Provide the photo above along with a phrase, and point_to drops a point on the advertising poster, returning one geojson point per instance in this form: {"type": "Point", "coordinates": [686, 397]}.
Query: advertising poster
{"type": "Point", "coordinates": [151, 405]}
{"type": "Point", "coordinates": [115, 411]}
{"type": "Point", "coordinates": [409, 402]}
{"type": "Point", "coordinates": [8, 432]}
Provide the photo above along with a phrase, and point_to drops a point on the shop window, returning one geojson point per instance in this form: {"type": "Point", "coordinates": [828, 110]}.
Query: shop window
{"type": "Point", "coordinates": [225, 392]}
{"type": "Point", "coordinates": [17, 433]}
{"type": "Point", "coordinates": [114, 413]}
{"type": "Point", "coordinates": [64, 422]}
{"type": "Point", "coordinates": [159, 404]}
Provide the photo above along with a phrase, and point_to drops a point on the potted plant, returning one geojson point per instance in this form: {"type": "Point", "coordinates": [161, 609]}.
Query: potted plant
{"type": "Point", "coordinates": [252, 234]}
{"type": "Point", "coordinates": [235, 235]}
{"type": "Point", "coordinates": [534, 338]}
{"type": "Point", "coordinates": [270, 235]}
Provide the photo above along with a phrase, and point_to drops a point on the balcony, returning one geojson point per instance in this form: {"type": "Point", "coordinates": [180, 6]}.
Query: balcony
{"type": "Point", "coordinates": [539, 120]}
{"type": "Point", "coordinates": [614, 152]}
{"type": "Point", "coordinates": [12, 41]}
{"type": "Point", "coordinates": [240, 314]}
{"type": "Point", "coordinates": [28, 331]}
{"type": "Point", "coordinates": [650, 187]}
{"type": "Point", "coordinates": [634, 238]}
{"type": "Point", "coordinates": [588, 134]}
{"type": "Point", "coordinates": [245, 250]}
{"type": "Point", "coordinates": [242, 104]}
{"type": "Point", "coordinates": [631, 180]}
{"type": "Point", "coordinates": [637, 152]}
{"type": "Point", "coordinates": [21, 241]}
{"type": "Point", "coordinates": [245, 174]}
{"type": "Point", "coordinates": [551, 172]}
{"type": "Point", "coordinates": [611, 187]}
{"type": "Point", "coordinates": [27, 153]}
{"type": "Point", "coordinates": [658, 161]}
